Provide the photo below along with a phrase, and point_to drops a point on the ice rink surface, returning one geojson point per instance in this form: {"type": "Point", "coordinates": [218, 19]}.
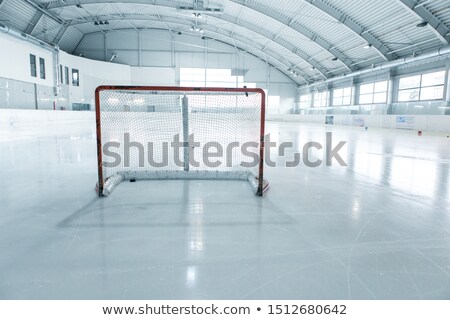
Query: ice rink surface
{"type": "Point", "coordinates": [378, 229]}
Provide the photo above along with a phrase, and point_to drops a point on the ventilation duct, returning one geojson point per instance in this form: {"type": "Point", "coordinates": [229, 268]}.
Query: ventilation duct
{"type": "Point", "coordinates": [26, 37]}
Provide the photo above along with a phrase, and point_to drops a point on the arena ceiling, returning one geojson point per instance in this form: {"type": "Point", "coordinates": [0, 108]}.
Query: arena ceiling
{"type": "Point", "coordinates": [314, 39]}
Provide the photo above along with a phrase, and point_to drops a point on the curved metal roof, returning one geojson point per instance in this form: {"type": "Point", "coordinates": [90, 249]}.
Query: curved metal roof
{"type": "Point", "coordinates": [319, 39]}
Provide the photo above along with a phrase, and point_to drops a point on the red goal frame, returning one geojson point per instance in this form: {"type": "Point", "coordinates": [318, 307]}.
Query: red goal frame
{"type": "Point", "coordinates": [262, 185]}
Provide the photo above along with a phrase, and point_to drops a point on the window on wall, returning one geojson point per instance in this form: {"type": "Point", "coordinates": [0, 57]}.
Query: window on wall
{"type": "Point", "coordinates": [42, 67]}
{"type": "Point", "coordinates": [33, 65]}
{"type": "Point", "coordinates": [429, 86]}
{"type": "Point", "coordinates": [61, 74]}
{"type": "Point", "coordinates": [372, 93]}
{"type": "Point", "coordinates": [274, 102]}
{"type": "Point", "coordinates": [342, 97]}
{"type": "Point", "coordinates": [75, 77]}
{"type": "Point", "coordinates": [305, 101]}
{"type": "Point", "coordinates": [320, 99]}
{"type": "Point", "coordinates": [200, 77]}
{"type": "Point", "coordinates": [66, 75]}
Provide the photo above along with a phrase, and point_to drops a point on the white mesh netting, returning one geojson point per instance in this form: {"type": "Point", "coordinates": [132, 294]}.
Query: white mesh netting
{"type": "Point", "coordinates": [138, 129]}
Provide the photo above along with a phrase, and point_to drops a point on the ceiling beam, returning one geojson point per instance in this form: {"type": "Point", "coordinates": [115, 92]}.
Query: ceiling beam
{"type": "Point", "coordinates": [347, 21]}
{"type": "Point", "coordinates": [60, 35]}
{"type": "Point", "coordinates": [245, 42]}
{"type": "Point", "coordinates": [44, 10]}
{"type": "Point", "coordinates": [293, 25]}
{"type": "Point", "coordinates": [439, 28]}
{"type": "Point", "coordinates": [34, 22]}
{"type": "Point", "coordinates": [227, 18]}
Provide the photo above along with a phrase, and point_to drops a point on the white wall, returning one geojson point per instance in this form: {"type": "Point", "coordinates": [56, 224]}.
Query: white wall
{"type": "Point", "coordinates": [15, 60]}
{"type": "Point", "coordinates": [158, 63]}
{"type": "Point", "coordinates": [156, 58]}
{"type": "Point", "coordinates": [93, 74]}
{"type": "Point", "coordinates": [147, 76]}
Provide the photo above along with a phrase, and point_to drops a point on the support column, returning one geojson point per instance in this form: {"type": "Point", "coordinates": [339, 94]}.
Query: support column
{"type": "Point", "coordinates": [36, 102]}
{"type": "Point", "coordinates": [105, 47]}
{"type": "Point", "coordinates": [392, 90]}
{"type": "Point", "coordinates": [355, 93]}
{"type": "Point", "coordinates": [139, 49]}
{"type": "Point", "coordinates": [447, 86]}
{"type": "Point", "coordinates": [330, 100]}
{"type": "Point", "coordinates": [185, 114]}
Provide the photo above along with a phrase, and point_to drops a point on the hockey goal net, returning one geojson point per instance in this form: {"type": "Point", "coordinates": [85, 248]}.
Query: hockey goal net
{"type": "Point", "coordinates": [156, 133]}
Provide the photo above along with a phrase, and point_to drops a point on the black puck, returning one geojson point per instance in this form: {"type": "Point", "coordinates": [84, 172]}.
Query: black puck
{"type": "Point", "coordinates": [133, 180]}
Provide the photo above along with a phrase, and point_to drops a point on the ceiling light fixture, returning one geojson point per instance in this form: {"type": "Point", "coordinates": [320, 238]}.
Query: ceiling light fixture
{"type": "Point", "coordinates": [368, 46]}
{"type": "Point", "coordinates": [114, 55]}
{"type": "Point", "coordinates": [422, 24]}
{"type": "Point", "coordinates": [197, 29]}
{"type": "Point", "coordinates": [334, 59]}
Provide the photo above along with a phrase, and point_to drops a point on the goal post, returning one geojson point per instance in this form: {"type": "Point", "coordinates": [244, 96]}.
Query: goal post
{"type": "Point", "coordinates": [158, 133]}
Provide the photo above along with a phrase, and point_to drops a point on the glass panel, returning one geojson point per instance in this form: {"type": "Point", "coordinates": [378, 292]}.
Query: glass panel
{"type": "Point", "coordinates": [75, 78]}
{"type": "Point", "coordinates": [305, 101]}
{"type": "Point", "coordinates": [409, 82]}
{"type": "Point", "coordinates": [218, 72]}
{"type": "Point", "coordinates": [381, 86]}
{"type": "Point", "coordinates": [366, 98]}
{"type": "Point", "coordinates": [42, 68]}
{"type": "Point", "coordinates": [66, 69]}
{"type": "Point", "coordinates": [190, 71]}
{"type": "Point", "coordinates": [366, 88]}
{"type": "Point", "coordinates": [348, 92]}
{"type": "Point", "coordinates": [222, 78]}
{"type": "Point", "coordinates": [320, 99]}
{"type": "Point", "coordinates": [214, 78]}
{"type": "Point", "coordinates": [304, 98]}
{"type": "Point", "coordinates": [347, 101]}
{"type": "Point", "coordinates": [220, 84]}
{"type": "Point", "coordinates": [337, 101]}
{"type": "Point", "coordinates": [380, 97]}
{"type": "Point", "coordinates": [432, 93]}
{"type": "Point", "coordinates": [338, 93]}
{"type": "Point", "coordinates": [274, 102]}
{"type": "Point", "coordinates": [408, 95]}
{"type": "Point", "coordinates": [433, 79]}
{"type": "Point", "coordinates": [33, 65]}
{"type": "Point", "coordinates": [192, 77]}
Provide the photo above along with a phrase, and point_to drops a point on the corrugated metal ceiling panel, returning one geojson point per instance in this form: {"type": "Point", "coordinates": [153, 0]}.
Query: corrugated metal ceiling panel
{"type": "Point", "coordinates": [70, 39]}
{"type": "Point", "coordinates": [17, 13]}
